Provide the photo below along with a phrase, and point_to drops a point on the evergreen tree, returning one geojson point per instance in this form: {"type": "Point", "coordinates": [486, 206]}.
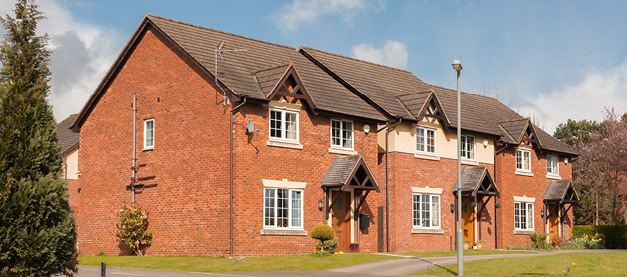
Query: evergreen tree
{"type": "Point", "coordinates": [37, 230]}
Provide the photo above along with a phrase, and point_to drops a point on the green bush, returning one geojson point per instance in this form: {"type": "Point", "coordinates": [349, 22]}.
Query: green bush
{"type": "Point", "coordinates": [132, 230]}
{"type": "Point", "coordinates": [612, 236]}
{"type": "Point", "coordinates": [539, 240]}
{"type": "Point", "coordinates": [322, 232]}
{"type": "Point", "coordinates": [327, 245]}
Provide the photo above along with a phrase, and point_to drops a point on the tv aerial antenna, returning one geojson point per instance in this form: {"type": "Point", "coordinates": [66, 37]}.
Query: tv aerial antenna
{"type": "Point", "coordinates": [218, 52]}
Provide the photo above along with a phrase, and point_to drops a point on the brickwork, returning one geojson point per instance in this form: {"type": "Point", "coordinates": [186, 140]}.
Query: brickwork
{"type": "Point", "coordinates": [512, 184]}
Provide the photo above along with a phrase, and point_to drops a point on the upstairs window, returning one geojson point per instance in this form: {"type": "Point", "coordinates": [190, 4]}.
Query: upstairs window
{"type": "Point", "coordinates": [468, 147]}
{"type": "Point", "coordinates": [523, 160]}
{"type": "Point", "coordinates": [149, 134]}
{"type": "Point", "coordinates": [284, 125]}
{"type": "Point", "coordinates": [341, 134]}
{"type": "Point", "coordinates": [426, 211]}
{"type": "Point", "coordinates": [523, 216]}
{"type": "Point", "coordinates": [552, 167]}
{"type": "Point", "coordinates": [425, 141]}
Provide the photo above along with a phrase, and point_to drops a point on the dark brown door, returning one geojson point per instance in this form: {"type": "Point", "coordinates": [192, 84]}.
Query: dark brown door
{"type": "Point", "coordinates": [553, 223]}
{"type": "Point", "coordinates": [342, 220]}
{"type": "Point", "coordinates": [468, 222]}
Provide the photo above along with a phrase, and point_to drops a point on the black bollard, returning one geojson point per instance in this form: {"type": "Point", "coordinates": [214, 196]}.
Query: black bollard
{"type": "Point", "coordinates": [103, 269]}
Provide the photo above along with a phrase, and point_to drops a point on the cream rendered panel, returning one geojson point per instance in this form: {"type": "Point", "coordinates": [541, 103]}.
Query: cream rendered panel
{"type": "Point", "coordinates": [71, 165]}
{"type": "Point", "coordinates": [403, 139]}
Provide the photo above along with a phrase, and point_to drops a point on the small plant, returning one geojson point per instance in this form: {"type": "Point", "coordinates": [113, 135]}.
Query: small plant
{"type": "Point", "coordinates": [327, 241]}
{"type": "Point", "coordinates": [132, 230]}
{"type": "Point", "coordinates": [539, 240]}
{"type": "Point", "coordinates": [569, 267]}
{"type": "Point", "coordinates": [556, 241]}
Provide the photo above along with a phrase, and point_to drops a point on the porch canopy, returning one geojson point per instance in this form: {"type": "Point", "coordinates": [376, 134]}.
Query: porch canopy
{"type": "Point", "coordinates": [477, 182]}
{"type": "Point", "coordinates": [349, 172]}
{"type": "Point", "coordinates": [560, 193]}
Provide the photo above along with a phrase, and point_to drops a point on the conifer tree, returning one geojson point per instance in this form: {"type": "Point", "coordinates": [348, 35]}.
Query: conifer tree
{"type": "Point", "coordinates": [37, 230]}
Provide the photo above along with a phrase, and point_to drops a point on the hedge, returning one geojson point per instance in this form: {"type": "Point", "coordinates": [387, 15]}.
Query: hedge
{"type": "Point", "coordinates": [615, 235]}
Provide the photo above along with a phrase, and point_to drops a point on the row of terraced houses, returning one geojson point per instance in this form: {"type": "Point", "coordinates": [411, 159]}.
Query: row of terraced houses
{"type": "Point", "coordinates": [246, 160]}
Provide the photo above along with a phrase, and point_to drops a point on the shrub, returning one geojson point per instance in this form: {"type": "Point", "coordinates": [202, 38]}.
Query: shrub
{"type": "Point", "coordinates": [539, 240]}
{"type": "Point", "coordinates": [132, 230]}
{"type": "Point", "coordinates": [322, 232]}
{"type": "Point", "coordinates": [612, 236]}
{"type": "Point", "coordinates": [327, 246]}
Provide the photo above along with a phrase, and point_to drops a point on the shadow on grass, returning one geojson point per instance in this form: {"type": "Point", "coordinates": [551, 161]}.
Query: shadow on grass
{"type": "Point", "coordinates": [437, 265]}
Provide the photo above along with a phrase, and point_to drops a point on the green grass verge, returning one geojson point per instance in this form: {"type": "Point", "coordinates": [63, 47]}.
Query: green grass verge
{"type": "Point", "coordinates": [469, 252]}
{"type": "Point", "coordinates": [586, 264]}
{"type": "Point", "coordinates": [208, 264]}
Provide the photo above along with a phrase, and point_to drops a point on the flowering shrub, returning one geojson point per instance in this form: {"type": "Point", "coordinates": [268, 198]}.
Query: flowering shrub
{"type": "Point", "coordinates": [589, 242]}
{"type": "Point", "coordinates": [132, 230]}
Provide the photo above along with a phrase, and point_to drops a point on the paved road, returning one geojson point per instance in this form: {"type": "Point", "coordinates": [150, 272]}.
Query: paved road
{"type": "Point", "coordinates": [394, 267]}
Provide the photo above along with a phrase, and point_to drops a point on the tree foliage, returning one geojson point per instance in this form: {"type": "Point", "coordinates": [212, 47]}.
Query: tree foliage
{"type": "Point", "coordinates": [132, 230]}
{"type": "Point", "coordinates": [601, 168]}
{"type": "Point", "coordinates": [37, 230]}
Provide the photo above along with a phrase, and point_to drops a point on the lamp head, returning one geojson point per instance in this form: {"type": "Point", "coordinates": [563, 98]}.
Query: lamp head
{"type": "Point", "coordinates": [457, 65]}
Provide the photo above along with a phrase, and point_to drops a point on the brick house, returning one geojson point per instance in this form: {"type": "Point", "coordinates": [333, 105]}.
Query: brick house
{"type": "Point", "coordinates": [243, 146]}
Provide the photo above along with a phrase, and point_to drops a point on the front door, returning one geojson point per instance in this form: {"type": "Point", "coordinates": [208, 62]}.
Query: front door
{"type": "Point", "coordinates": [553, 222]}
{"type": "Point", "coordinates": [468, 222]}
{"type": "Point", "coordinates": [342, 219]}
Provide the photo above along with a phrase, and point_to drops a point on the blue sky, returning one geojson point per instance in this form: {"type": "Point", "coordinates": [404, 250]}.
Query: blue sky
{"type": "Point", "coordinates": [558, 59]}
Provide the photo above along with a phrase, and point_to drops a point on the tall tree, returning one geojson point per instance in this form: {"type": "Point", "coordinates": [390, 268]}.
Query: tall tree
{"type": "Point", "coordinates": [576, 130]}
{"type": "Point", "coordinates": [37, 230]}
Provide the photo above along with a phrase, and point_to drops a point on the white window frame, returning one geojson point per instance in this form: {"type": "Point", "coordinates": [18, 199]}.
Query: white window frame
{"type": "Point", "coordinates": [425, 140]}
{"type": "Point", "coordinates": [146, 146]}
{"type": "Point", "coordinates": [465, 145]}
{"type": "Point", "coordinates": [417, 222]}
{"type": "Point", "coordinates": [352, 131]}
{"type": "Point", "coordinates": [520, 153]}
{"type": "Point", "coordinates": [552, 168]}
{"type": "Point", "coordinates": [289, 209]}
{"type": "Point", "coordinates": [528, 223]}
{"type": "Point", "coordinates": [282, 125]}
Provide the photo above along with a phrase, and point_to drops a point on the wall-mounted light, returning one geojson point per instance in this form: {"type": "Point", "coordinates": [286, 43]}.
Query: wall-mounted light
{"type": "Point", "coordinates": [542, 213]}
{"type": "Point", "coordinates": [320, 205]}
{"type": "Point", "coordinates": [452, 208]}
{"type": "Point", "coordinates": [366, 129]}
{"type": "Point", "coordinates": [473, 204]}
{"type": "Point", "coordinates": [78, 189]}
{"type": "Point", "coordinates": [565, 160]}
{"type": "Point", "coordinates": [497, 205]}
{"type": "Point", "coordinates": [485, 143]}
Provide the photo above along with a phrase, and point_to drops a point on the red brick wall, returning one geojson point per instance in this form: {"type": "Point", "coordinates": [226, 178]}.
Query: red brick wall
{"type": "Point", "coordinates": [189, 207]}
{"type": "Point", "coordinates": [534, 186]}
{"type": "Point", "coordinates": [73, 194]}
{"type": "Point", "coordinates": [406, 171]}
{"type": "Point", "coordinates": [254, 160]}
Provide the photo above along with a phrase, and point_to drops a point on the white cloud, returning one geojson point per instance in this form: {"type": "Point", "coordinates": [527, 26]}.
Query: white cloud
{"type": "Point", "coordinates": [393, 53]}
{"type": "Point", "coordinates": [299, 12]}
{"type": "Point", "coordinates": [584, 100]}
{"type": "Point", "coordinates": [81, 54]}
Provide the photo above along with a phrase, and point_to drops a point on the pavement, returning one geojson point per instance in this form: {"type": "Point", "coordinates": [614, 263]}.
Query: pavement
{"type": "Point", "coordinates": [404, 265]}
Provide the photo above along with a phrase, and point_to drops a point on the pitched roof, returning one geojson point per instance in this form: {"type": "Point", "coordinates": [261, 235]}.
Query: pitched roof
{"type": "Point", "coordinates": [350, 171]}
{"type": "Point", "coordinates": [477, 180]}
{"type": "Point", "coordinates": [68, 140]}
{"type": "Point", "coordinates": [561, 190]}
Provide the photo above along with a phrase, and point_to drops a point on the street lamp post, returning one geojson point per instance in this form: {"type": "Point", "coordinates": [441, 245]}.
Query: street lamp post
{"type": "Point", "coordinates": [457, 65]}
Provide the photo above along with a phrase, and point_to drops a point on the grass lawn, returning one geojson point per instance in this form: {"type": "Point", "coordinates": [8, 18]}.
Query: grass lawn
{"type": "Point", "coordinates": [586, 264]}
{"type": "Point", "coordinates": [208, 264]}
{"type": "Point", "coordinates": [469, 252]}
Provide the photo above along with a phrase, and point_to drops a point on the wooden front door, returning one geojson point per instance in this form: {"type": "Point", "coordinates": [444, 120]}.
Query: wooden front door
{"type": "Point", "coordinates": [342, 219]}
{"type": "Point", "coordinates": [553, 222]}
{"type": "Point", "coordinates": [468, 222]}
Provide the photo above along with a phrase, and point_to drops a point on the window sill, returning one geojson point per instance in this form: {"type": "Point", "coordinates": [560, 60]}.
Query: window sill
{"type": "Point", "coordinates": [555, 177]}
{"type": "Point", "coordinates": [427, 231]}
{"type": "Point", "coordinates": [342, 151]}
{"type": "Point", "coordinates": [469, 162]}
{"type": "Point", "coordinates": [267, 232]}
{"type": "Point", "coordinates": [523, 232]}
{"type": "Point", "coordinates": [426, 156]}
{"type": "Point", "coordinates": [148, 149]}
{"type": "Point", "coordinates": [292, 145]}
{"type": "Point", "coordinates": [524, 173]}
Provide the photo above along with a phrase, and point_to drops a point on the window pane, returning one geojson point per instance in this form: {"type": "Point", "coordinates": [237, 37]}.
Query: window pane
{"type": "Point", "coordinates": [296, 208]}
{"type": "Point", "coordinates": [150, 133]}
{"type": "Point", "coordinates": [275, 124]}
{"type": "Point", "coordinates": [518, 159]}
{"type": "Point", "coordinates": [290, 126]}
{"type": "Point", "coordinates": [420, 140]}
{"type": "Point", "coordinates": [523, 218]}
{"type": "Point", "coordinates": [282, 208]}
{"type": "Point", "coordinates": [335, 132]}
{"type": "Point", "coordinates": [471, 147]}
{"type": "Point", "coordinates": [416, 209]}
{"type": "Point", "coordinates": [424, 207]}
{"type": "Point", "coordinates": [435, 210]}
{"type": "Point", "coordinates": [430, 141]}
{"type": "Point", "coordinates": [530, 216]}
{"type": "Point", "coordinates": [347, 134]}
{"type": "Point", "coordinates": [463, 147]}
{"type": "Point", "coordinates": [269, 207]}
{"type": "Point", "coordinates": [517, 215]}
{"type": "Point", "coordinates": [527, 160]}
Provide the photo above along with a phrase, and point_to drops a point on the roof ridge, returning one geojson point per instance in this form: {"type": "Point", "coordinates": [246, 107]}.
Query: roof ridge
{"type": "Point", "coordinates": [363, 61]}
{"type": "Point", "coordinates": [271, 67]}
{"type": "Point", "coordinates": [414, 93]}
{"type": "Point", "coordinates": [468, 93]}
{"type": "Point", "coordinates": [512, 120]}
{"type": "Point", "coordinates": [217, 31]}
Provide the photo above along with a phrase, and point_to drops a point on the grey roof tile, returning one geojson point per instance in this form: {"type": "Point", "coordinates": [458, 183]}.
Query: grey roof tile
{"type": "Point", "coordinates": [66, 137]}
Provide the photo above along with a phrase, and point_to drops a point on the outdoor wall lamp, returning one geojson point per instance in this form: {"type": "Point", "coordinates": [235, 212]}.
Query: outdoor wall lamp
{"type": "Point", "coordinates": [473, 204]}
{"type": "Point", "coordinates": [320, 204]}
{"type": "Point", "coordinates": [452, 208]}
{"type": "Point", "coordinates": [497, 205]}
{"type": "Point", "coordinates": [542, 213]}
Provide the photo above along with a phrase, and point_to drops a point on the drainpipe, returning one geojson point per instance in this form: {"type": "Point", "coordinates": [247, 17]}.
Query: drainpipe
{"type": "Point", "coordinates": [388, 129]}
{"type": "Point", "coordinates": [134, 152]}
{"type": "Point", "coordinates": [231, 133]}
